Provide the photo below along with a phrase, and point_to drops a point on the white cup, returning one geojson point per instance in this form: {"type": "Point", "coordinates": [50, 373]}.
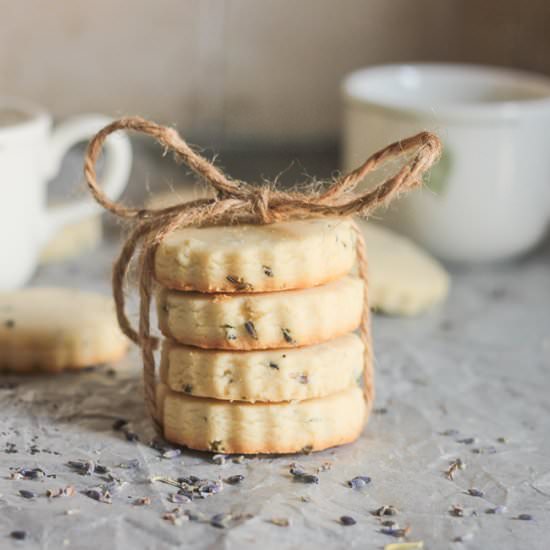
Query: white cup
{"type": "Point", "coordinates": [489, 196]}
{"type": "Point", "coordinates": [30, 155]}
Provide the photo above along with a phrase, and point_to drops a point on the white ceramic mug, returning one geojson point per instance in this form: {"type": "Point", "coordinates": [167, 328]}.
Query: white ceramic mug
{"type": "Point", "coordinates": [489, 196]}
{"type": "Point", "coordinates": [30, 155]}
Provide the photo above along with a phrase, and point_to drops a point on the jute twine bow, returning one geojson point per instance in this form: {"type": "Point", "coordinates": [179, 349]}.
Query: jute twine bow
{"type": "Point", "coordinates": [237, 202]}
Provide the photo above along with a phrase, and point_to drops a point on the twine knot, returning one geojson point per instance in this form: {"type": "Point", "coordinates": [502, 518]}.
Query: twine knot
{"type": "Point", "coordinates": [238, 202]}
{"type": "Point", "coordinates": [261, 204]}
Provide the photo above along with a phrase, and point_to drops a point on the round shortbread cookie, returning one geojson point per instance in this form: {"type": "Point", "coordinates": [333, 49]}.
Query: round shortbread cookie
{"type": "Point", "coordinates": [267, 375]}
{"type": "Point", "coordinates": [51, 329]}
{"type": "Point", "coordinates": [403, 278]}
{"type": "Point", "coordinates": [256, 258]}
{"type": "Point", "coordinates": [237, 427]}
{"type": "Point", "coordinates": [267, 320]}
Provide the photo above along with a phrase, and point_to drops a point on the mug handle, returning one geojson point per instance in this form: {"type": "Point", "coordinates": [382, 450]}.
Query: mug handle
{"type": "Point", "coordinates": [118, 160]}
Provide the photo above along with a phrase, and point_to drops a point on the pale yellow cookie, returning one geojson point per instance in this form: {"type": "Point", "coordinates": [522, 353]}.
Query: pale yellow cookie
{"type": "Point", "coordinates": [403, 278]}
{"type": "Point", "coordinates": [51, 329]}
{"type": "Point", "coordinates": [267, 375]}
{"type": "Point", "coordinates": [263, 320]}
{"type": "Point", "coordinates": [73, 240]}
{"type": "Point", "coordinates": [256, 258]}
{"type": "Point", "coordinates": [237, 427]}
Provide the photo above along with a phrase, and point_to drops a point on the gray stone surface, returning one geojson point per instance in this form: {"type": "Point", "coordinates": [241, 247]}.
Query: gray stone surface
{"type": "Point", "coordinates": [479, 365]}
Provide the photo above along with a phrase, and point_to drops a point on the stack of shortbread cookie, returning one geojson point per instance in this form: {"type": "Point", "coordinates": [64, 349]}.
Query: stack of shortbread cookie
{"type": "Point", "coordinates": [260, 354]}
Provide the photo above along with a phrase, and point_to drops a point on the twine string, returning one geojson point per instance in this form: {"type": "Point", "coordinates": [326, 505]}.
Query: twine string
{"type": "Point", "coordinates": [238, 202]}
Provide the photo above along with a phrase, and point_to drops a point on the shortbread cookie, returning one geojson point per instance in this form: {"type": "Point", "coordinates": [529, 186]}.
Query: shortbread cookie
{"type": "Point", "coordinates": [267, 375]}
{"type": "Point", "coordinates": [403, 279]}
{"type": "Point", "coordinates": [237, 427]}
{"type": "Point", "coordinates": [256, 258]}
{"type": "Point", "coordinates": [263, 320]}
{"type": "Point", "coordinates": [50, 329]}
{"type": "Point", "coordinates": [73, 240]}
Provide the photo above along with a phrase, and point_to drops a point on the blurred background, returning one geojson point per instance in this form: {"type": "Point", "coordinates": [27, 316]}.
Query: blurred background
{"type": "Point", "coordinates": [259, 86]}
{"type": "Point", "coordinates": [236, 74]}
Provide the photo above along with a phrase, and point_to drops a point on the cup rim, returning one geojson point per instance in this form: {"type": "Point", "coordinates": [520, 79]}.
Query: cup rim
{"type": "Point", "coordinates": [37, 117]}
{"type": "Point", "coordinates": [355, 90]}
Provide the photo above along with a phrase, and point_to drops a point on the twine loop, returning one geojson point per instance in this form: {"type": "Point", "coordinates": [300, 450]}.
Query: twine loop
{"type": "Point", "coordinates": [238, 202]}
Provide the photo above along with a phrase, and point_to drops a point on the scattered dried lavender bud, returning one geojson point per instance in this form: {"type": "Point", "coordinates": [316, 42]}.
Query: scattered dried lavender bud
{"type": "Point", "coordinates": [235, 480]}
{"type": "Point", "coordinates": [379, 410]}
{"type": "Point", "coordinates": [307, 478]}
{"type": "Point", "coordinates": [11, 448]}
{"type": "Point", "coordinates": [524, 517]}
{"type": "Point", "coordinates": [251, 329]}
{"type": "Point", "coordinates": [296, 469]}
{"type": "Point", "coordinates": [463, 538]}
{"type": "Point", "coordinates": [179, 498]}
{"type": "Point", "coordinates": [189, 480]}
{"type": "Point", "coordinates": [347, 520]}
{"type": "Point", "coordinates": [359, 481]}
{"type": "Point", "coordinates": [389, 523]}
{"type": "Point", "coordinates": [171, 453]}
{"type": "Point", "coordinates": [83, 467]}
{"type": "Point", "coordinates": [27, 494]}
{"type": "Point", "coordinates": [220, 520]}
{"type": "Point", "coordinates": [18, 535]}
{"type": "Point", "coordinates": [288, 336]}
{"type": "Point", "coordinates": [210, 488]}
{"type": "Point", "coordinates": [450, 432]}
{"type": "Point", "coordinates": [142, 501]}
{"type": "Point", "coordinates": [489, 450]}
{"type": "Point", "coordinates": [100, 469]}
{"type": "Point", "coordinates": [280, 522]}
{"type": "Point", "coordinates": [267, 271]}
{"type": "Point", "coordinates": [385, 511]}
{"type": "Point", "coordinates": [273, 365]}
{"type": "Point", "coordinates": [395, 532]}
{"type": "Point", "coordinates": [496, 510]}
{"type": "Point", "coordinates": [28, 473]}
{"type": "Point", "coordinates": [219, 459]}
{"type": "Point", "coordinates": [239, 283]}
{"type": "Point", "coordinates": [456, 511]}
{"type": "Point", "coordinates": [298, 474]}
{"type": "Point", "coordinates": [194, 516]}
{"type": "Point", "coordinates": [307, 450]}
{"type": "Point", "coordinates": [467, 440]}
{"type": "Point", "coordinates": [68, 491]}
{"type": "Point", "coordinates": [502, 440]}
{"type": "Point", "coordinates": [119, 424]}
{"type": "Point", "coordinates": [129, 464]}
{"type": "Point", "coordinates": [475, 492]}
{"type": "Point", "coordinates": [101, 494]}
{"type": "Point", "coordinates": [187, 388]}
